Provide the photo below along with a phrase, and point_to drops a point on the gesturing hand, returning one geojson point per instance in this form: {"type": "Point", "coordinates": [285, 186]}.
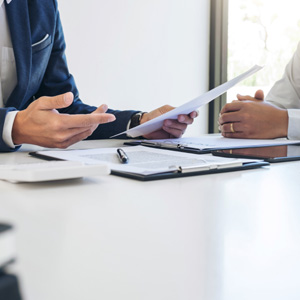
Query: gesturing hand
{"type": "Point", "coordinates": [171, 128]}
{"type": "Point", "coordinates": [41, 124]}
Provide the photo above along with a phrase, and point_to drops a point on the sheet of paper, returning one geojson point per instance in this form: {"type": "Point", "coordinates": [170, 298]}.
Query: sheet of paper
{"type": "Point", "coordinates": [188, 107]}
{"type": "Point", "coordinates": [217, 141]}
{"type": "Point", "coordinates": [144, 160]}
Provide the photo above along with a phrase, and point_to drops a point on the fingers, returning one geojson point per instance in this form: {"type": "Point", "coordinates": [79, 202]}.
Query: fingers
{"type": "Point", "coordinates": [236, 135]}
{"type": "Point", "coordinates": [56, 102]}
{"type": "Point", "coordinates": [234, 127]}
{"type": "Point", "coordinates": [259, 96]}
{"type": "Point", "coordinates": [67, 134]}
{"type": "Point", "coordinates": [174, 128]}
{"type": "Point", "coordinates": [77, 121]}
{"type": "Point", "coordinates": [41, 124]}
{"type": "Point", "coordinates": [101, 109]}
{"type": "Point", "coordinates": [229, 117]}
{"type": "Point", "coordinates": [231, 107]}
{"type": "Point", "coordinates": [194, 114]}
{"type": "Point", "coordinates": [232, 130]}
{"type": "Point", "coordinates": [171, 128]}
{"type": "Point", "coordinates": [73, 139]}
{"type": "Point", "coordinates": [229, 120]}
{"type": "Point", "coordinates": [185, 119]}
{"type": "Point", "coordinates": [173, 132]}
{"type": "Point", "coordinates": [188, 119]}
{"type": "Point", "coordinates": [244, 97]}
{"type": "Point", "coordinates": [95, 118]}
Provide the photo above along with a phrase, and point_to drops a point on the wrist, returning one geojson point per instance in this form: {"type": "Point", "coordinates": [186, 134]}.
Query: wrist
{"type": "Point", "coordinates": [284, 123]}
{"type": "Point", "coordinates": [144, 117]}
{"type": "Point", "coordinates": [136, 119]}
{"type": "Point", "coordinates": [17, 135]}
{"type": "Point", "coordinates": [7, 128]}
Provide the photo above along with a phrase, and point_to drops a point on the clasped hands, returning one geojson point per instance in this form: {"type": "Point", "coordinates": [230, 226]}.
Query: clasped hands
{"type": "Point", "coordinates": [252, 117]}
{"type": "Point", "coordinates": [41, 124]}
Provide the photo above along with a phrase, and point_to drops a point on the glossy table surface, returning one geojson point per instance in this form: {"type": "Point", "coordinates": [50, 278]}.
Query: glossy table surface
{"type": "Point", "coordinates": [214, 237]}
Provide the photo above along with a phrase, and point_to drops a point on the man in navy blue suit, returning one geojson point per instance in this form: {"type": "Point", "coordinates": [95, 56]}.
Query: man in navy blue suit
{"type": "Point", "coordinates": [39, 101]}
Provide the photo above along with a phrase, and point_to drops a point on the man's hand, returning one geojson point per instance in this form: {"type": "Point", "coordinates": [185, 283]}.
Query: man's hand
{"type": "Point", "coordinates": [171, 128]}
{"type": "Point", "coordinates": [41, 124]}
{"type": "Point", "coordinates": [253, 118]}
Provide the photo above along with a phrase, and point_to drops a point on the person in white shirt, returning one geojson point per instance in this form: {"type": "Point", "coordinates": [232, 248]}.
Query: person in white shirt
{"type": "Point", "coordinates": [39, 100]}
{"type": "Point", "coordinates": [278, 115]}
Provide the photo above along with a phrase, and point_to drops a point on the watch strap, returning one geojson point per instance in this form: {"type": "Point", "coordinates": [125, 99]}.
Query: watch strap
{"type": "Point", "coordinates": [136, 120]}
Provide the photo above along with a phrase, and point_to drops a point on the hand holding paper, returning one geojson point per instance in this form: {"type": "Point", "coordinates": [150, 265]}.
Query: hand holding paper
{"type": "Point", "coordinates": [172, 128]}
{"type": "Point", "coordinates": [185, 109]}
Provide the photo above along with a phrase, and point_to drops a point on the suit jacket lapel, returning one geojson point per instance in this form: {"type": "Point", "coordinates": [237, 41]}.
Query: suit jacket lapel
{"type": "Point", "coordinates": [19, 24]}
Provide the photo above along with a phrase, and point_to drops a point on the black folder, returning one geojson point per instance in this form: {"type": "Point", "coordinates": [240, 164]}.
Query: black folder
{"type": "Point", "coordinates": [181, 172]}
{"type": "Point", "coordinates": [172, 171]}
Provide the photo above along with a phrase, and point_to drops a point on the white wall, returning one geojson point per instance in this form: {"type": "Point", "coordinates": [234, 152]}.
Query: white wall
{"type": "Point", "coordinates": [138, 54]}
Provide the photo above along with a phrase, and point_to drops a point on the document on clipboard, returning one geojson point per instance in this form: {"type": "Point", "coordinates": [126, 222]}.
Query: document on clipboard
{"type": "Point", "coordinates": [146, 163]}
{"type": "Point", "coordinates": [188, 107]}
{"type": "Point", "coordinates": [210, 142]}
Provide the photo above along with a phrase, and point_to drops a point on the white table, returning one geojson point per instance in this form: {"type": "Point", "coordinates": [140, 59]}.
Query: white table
{"type": "Point", "coordinates": [214, 237]}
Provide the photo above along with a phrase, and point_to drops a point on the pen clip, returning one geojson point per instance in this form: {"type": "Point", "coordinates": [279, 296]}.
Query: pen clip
{"type": "Point", "coordinates": [175, 168]}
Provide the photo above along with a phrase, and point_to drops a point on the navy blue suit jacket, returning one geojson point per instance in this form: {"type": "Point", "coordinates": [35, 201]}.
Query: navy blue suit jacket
{"type": "Point", "coordinates": [42, 68]}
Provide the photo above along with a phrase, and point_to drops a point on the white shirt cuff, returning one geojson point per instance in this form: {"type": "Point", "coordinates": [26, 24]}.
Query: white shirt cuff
{"type": "Point", "coordinates": [7, 128]}
{"type": "Point", "coordinates": [294, 124]}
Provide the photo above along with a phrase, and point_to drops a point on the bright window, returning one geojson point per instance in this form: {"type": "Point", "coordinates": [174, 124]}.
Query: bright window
{"type": "Point", "coordinates": [264, 32]}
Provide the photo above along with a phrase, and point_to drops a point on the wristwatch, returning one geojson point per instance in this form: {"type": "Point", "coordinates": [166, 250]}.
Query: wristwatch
{"type": "Point", "coordinates": [136, 120]}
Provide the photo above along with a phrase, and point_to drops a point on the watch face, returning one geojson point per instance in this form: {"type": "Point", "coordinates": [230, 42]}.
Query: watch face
{"type": "Point", "coordinates": [135, 120]}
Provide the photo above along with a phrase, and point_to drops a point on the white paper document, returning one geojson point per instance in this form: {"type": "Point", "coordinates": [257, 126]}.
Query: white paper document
{"type": "Point", "coordinates": [147, 161]}
{"type": "Point", "coordinates": [216, 141]}
{"type": "Point", "coordinates": [188, 107]}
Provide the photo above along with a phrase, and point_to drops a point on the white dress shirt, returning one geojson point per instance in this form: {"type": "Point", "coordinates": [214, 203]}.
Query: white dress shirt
{"type": "Point", "coordinates": [8, 73]}
{"type": "Point", "coordinates": [286, 94]}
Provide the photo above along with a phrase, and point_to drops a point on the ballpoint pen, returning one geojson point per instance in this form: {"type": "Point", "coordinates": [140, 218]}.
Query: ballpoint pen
{"type": "Point", "coordinates": [122, 156]}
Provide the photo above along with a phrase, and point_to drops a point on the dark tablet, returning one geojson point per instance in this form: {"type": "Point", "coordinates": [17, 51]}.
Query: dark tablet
{"type": "Point", "coordinates": [270, 154]}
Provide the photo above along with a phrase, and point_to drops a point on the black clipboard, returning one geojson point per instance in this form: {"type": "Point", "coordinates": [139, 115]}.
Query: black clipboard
{"type": "Point", "coordinates": [173, 147]}
{"type": "Point", "coordinates": [179, 174]}
{"type": "Point", "coordinates": [175, 173]}
{"type": "Point", "coordinates": [194, 150]}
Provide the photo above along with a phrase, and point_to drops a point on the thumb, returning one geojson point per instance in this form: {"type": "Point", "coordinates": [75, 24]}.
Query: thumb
{"type": "Point", "coordinates": [164, 109]}
{"type": "Point", "coordinates": [56, 102]}
{"type": "Point", "coordinates": [259, 95]}
{"type": "Point", "coordinates": [155, 113]}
